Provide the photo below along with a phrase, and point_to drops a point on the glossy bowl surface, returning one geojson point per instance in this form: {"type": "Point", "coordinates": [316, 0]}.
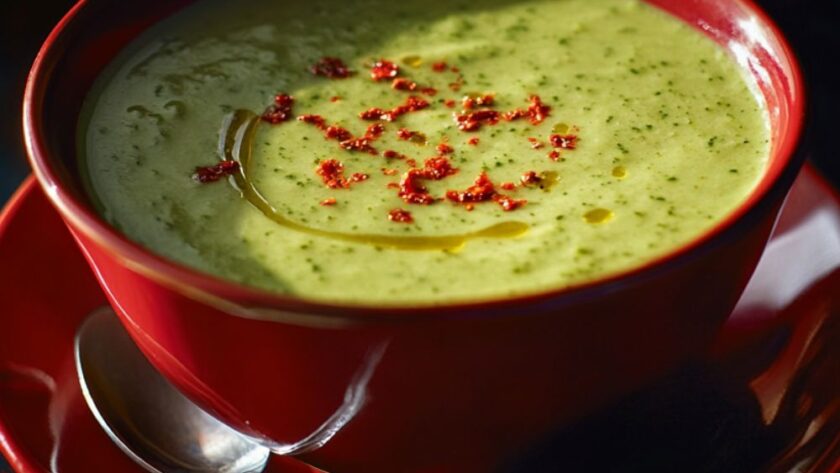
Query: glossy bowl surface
{"type": "Point", "coordinates": [448, 388]}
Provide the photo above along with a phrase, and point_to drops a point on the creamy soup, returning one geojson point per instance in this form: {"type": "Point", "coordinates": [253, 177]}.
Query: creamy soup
{"type": "Point", "coordinates": [420, 152]}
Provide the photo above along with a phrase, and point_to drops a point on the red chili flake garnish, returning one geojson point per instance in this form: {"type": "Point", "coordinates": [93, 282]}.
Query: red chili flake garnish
{"type": "Point", "coordinates": [473, 141]}
{"type": "Point", "coordinates": [471, 102]}
{"type": "Point", "coordinates": [335, 132]}
{"type": "Point", "coordinates": [509, 203]}
{"type": "Point", "coordinates": [473, 121]}
{"type": "Point", "coordinates": [401, 83]}
{"type": "Point", "coordinates": [440, 66]}
{"type": "Point", "coordinates": [335, 98]}
{"type": "Point", "coordinates": [400, 216]}
{"type": "Point", "coordinates": [449, 103]}
{"type": "Point", "coordinates": [383, 70]}
{"type": "Point", "coordinates": [411, 162]}
{"type": "Point", "coordinates": [359, 144]}
{"type": "Point", "coordinates": [389, 172]}
{"type": "Point", "coordinates": [536, 112]}
{"type": "Point", "coordinates": [530, 178]}
{"type": "Point", "coordinates": [346, 139]}
{"type": "Point", "coordinates": [414, 136]}
{"type": "Point", "coordinates": [483, 190]}
{"type": "Point", "coordinates": [391, 154]}
{"type": "Point", "coordinates": [393, 185]}
{"type": "Point", "coordinates": [444, 148]}
{"type": "Point", "coordinates": [554, 155]}
{"type": "Point", "coordinates": [564, 141]}
{"type": "Point", "coordinates": [374, 131]}
{"type": "Point", "coordinates": [316, 120]}
{"type": "Point", "coordinates": [331, 67]}
{"type": "Point", "coordinates": [412, 104]}
{"type": "Point", "coordinates": [332, 173]}
{"type": "Point", "coordinates": [411, 191]}
{"type": "Point", "coordinates": [405, 134]}
{"type": "Point", "coordinates": [535, 143]}
{"type": "Point", "coordinates": [364, 143]}
{"type": "Point", "coordinates": [280, 110]}
{"type": "Point", "coordinates": [216, 172]}
{"type": "Point", "coordinates": [374, 113]}
{"type": "Point", "coordinates": [437, 168]}
{"type": "Point", "coordinates": [329, 202]}
{"type": "Point", "coordinates": [508, 186]}
{"type": "Point", "coordinates": [455, 69]}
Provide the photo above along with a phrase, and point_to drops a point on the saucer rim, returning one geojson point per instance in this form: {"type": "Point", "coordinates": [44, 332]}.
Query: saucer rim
{"type": "Point", "coordinates": [16, 455]}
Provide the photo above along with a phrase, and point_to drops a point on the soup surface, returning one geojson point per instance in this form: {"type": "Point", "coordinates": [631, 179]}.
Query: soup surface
{"type": "Point", "coordinates": [419, 152]}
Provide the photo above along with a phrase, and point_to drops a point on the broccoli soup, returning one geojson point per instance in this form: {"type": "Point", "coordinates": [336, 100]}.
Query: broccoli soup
{"type": "Point", "coordinates": [420, 152]}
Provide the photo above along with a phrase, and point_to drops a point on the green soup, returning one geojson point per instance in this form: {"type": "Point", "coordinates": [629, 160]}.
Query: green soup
{"type": "Point", "coordinates": [544, 143]}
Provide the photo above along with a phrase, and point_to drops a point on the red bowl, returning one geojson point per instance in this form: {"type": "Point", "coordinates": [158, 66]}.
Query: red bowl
{"type": "Point", "coordinates": [462, 387]}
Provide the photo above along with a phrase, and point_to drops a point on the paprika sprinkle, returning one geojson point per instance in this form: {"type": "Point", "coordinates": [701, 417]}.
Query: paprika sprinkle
{"type": "Point", "coordinates": [384, 70]}
{"type": "Point", "coordinates": [280, 110]}
{"type": "Point", "coordinates": [328, 202]}
{"type": "Point", "coordinates": [331, 67]}
{"type": "Point", "coordinates": [412, 104]}
{"type": "Point", "coordinates": [537, 112]}
{"type": "Point", "coordinates": [564, 141]}
{"type": "Point", "coordinates": [332, 173]}
{"type": "Point", "coordinates": [208, 174]}
{"type": "Point", "coordinates": [400, 216]}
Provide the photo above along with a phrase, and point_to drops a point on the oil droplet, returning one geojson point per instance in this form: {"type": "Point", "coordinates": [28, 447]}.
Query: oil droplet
{"type": "Point", "coordinates": [619, 172]}
{"type": "Point", "coordinates": [548, 179]}
{"type": "Point", "coordinates": [598, 216]}
{"type": "Point", "coordinates": [560, 129]}
{"type": "Point", "coordinates": [418, 138]}
{"type": "Point", "coordinates": [413, 61]}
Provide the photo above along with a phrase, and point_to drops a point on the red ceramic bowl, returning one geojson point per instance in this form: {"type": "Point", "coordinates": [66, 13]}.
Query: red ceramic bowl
{"type": "Point", "coordinates": [361, 389]}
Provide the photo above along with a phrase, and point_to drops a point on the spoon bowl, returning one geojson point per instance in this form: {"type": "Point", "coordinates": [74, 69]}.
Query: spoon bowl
{"type": "Point", "coordinates": [150, 420]}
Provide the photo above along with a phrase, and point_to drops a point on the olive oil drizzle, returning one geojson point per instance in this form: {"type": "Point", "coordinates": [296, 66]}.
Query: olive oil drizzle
{"type": "Point", "coordinates": [236, 143]}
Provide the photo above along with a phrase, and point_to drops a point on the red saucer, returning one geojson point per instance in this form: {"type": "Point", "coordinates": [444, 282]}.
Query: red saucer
{"type": "Point", "coordinates": [783, 340]}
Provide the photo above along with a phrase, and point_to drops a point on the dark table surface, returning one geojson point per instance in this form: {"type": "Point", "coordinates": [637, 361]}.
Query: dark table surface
{"type": "Point", "coordinates": [813, 27]}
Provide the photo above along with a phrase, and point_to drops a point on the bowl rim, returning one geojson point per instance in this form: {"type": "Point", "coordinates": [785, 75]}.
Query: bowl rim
{"type": "Point", "coordinates": [785, 161]}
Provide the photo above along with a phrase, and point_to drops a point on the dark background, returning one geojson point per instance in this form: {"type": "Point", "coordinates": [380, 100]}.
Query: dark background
{"type": "Point", "coordinates": [812, 26]}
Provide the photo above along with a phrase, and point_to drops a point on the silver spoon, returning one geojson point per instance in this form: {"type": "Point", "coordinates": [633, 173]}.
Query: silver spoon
{"type": "Point", "coordinates": [150, 420]}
